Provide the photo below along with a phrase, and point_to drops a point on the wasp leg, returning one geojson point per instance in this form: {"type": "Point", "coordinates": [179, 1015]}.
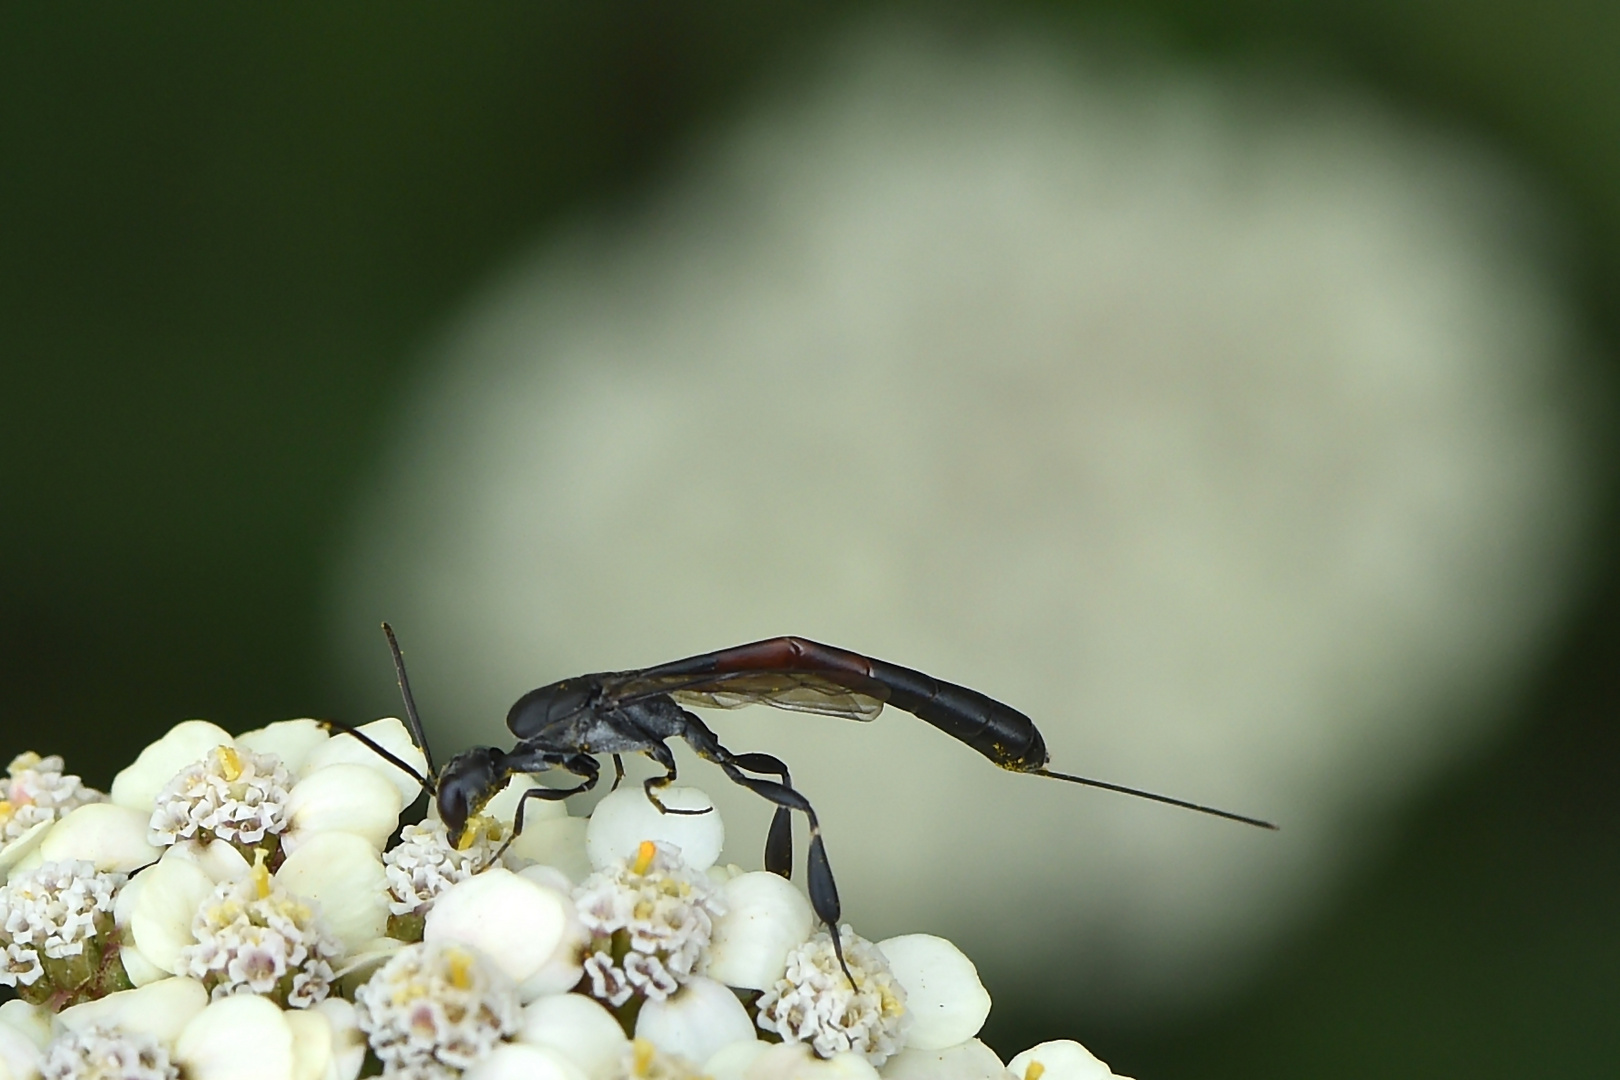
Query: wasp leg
{"type": "Point", "coordinates": [661, 754]}
{"type": "Point", "coordinates": [581, 766]}
{"type": "Point", "coordinates": [779, 841]}
{"type": "Point", "coordinates": [618, 772]}
{"type": "Point", "coordinates": [823, 890]}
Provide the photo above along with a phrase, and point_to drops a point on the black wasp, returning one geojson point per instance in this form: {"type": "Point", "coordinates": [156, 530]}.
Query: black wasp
{"type": "Point", "coordinates": [564, 725]}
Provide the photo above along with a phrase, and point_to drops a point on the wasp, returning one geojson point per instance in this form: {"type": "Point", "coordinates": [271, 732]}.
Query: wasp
{"type": "Point", "coordinates": [569, 723]}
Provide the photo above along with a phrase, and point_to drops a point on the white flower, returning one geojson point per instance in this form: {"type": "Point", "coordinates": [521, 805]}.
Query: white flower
{"type": "Point", "coordinates": [436, 1006]}
{"type": "Point", "coordinates": [766, 917]}
{"type": "Point", "coordinates": [106, 1053]}
{"type": "Point", "coordinates": [1063, 1059]}
{"type": "Point", "coordinates": [424, 864]}
{"type": "Point", "coordinates": [644, 1061]}
{"type": "Point", "coordinates": [254, 936]}
{"type": "Point", "coordinates": [529, 931]}
{"type": "Point", "coordinates": [33, 794]}
{"type": "Point", "coordinates": [578, 1028]}
{"type": "Point", "coordinates": [970, 1060]}
{"type": "Point", "coordinates": [23, 1036]}
{"type": "Point", "coordinates": [289, 779]}
{"type": "Point", "coordinates": [517, 1061]}
{"type": "Point", "coordinates": [947, 1002]}
{"type": "Point", "coordinates": [624, 819]}
{"type": "Point", "coordinates": [696, 1021]}
{"type": "Point", "coordinates": [814, 1002]}
{"type": "Point", "coordinates": [650, 918]}
{"type": "Point", "coordinates": [51, 918]}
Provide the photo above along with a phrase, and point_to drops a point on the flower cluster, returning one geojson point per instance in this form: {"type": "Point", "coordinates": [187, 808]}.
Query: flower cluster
{"type": "Point", "coordinates": [235, 909]}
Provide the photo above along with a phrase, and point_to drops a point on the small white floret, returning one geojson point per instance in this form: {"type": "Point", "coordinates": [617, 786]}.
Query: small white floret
{"type": "Point", "coordinates": [50, 917]}
{"type": "Point", "coordinates": [238, 796]}
{"type": "Point", "coordinates": [814, 1002]}
{"type": "Point", "coordinates": [766, 917]}
{"type": "Point", "coordinates": [1061, 1059]}
{"type": "Point", "coordinates": [436, 1006]}
{"type": "Point", "coordinates": [696, 1021]}
{"type": "Point", "coordinates": [625, 818]}
{"type": "Point", "coordinates": [424, 864]}
{"type": "Point", "coordinates": [578, 1028]}
{"type": "Point", "coordinates": [20, 1052]}
{"type": "Point", "coordinates": [948, 1003]}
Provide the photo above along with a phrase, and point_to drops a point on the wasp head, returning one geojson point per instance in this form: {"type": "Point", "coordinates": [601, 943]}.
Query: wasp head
{"type": "Point", "coordinates": [467, 782]}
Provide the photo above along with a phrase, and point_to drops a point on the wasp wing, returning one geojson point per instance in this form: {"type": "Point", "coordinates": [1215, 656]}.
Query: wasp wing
{"type": "Point", "coordinates": [797, 691]}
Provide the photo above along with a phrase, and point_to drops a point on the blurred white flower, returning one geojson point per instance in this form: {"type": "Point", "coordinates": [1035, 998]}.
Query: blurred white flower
{"type": "Point", "coordinates": [241, 1037]}
{"type": "Point", "coordinates": [160, 1010]}
{"type": "Point", "coordinates": [792, 1061]}
{"type": "Point", "coordinates": [436, 1005]}
{"type": "Point", "coordinates": [814, 1002]}
{"type": "Point", "coordinates": [1230, 430]}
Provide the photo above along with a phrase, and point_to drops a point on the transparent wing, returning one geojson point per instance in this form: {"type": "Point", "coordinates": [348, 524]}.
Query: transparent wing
{"type": "Point", "coordinates": [797, 691]}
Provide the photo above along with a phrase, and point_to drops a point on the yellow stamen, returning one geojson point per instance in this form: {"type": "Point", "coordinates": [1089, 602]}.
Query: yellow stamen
{"type": "Point", "coordinates": [642, 1055]}
{"type": "Point", "coordinates": [1035, 1071]}
{"type": "Point", "coordinates": [230, 763]}
{"type": "Point", "coordinates": [261, 874]}
{"type": "Point", "coordinates": [644, 857]}
{"type": "Point", "coordinates": [6, 810]}
{"type": "Point", "coordinates": [477, 825]}
{"type": "Point", "coordinates": [460, 969]}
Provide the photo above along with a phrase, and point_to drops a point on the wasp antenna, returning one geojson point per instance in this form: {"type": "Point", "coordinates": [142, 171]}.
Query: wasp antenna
{"type": "Point", "coordinates": [382, 752]}
{"type": "Point", "coordinates": [1106, 786]}
{"type": "Point", "coordinates": [411, 717]}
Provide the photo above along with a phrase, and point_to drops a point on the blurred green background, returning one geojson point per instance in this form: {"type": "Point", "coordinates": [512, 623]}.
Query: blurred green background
{"type": "Point", "coordinates": [227, 240]}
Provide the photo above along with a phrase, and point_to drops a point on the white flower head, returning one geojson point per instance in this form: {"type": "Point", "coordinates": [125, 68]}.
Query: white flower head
{"type": "Point", "coordinates": [814, 1002]}
{"type": "Point", "coordinates": [51, 918]}
{"type": "Point", "coordinates": [424, 864]}
{"type": "Point", "coordinates": [35, 792]}
{"type": "Point", "coordinates": [253, 936]}
{"type": "Point", "coordinates": [106, 1053]}
{"type": "Point", "coordinates": [435, 1008]}
{"type": "Point", "coordinates": [234, 795]}
{"type": "Point", "coordinates": [650, 919]}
